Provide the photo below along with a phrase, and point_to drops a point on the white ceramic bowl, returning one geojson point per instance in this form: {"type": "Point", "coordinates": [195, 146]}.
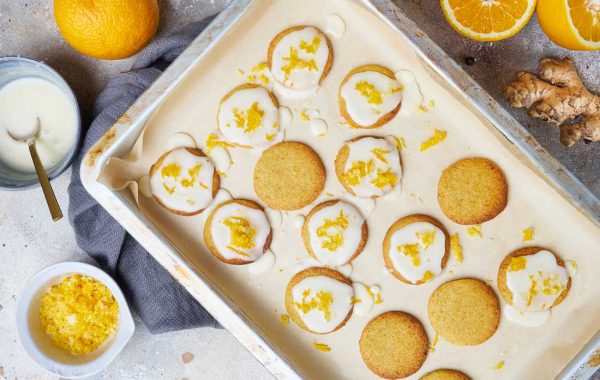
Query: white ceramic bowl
{"type": "Point", "coordinates": [39, 346]}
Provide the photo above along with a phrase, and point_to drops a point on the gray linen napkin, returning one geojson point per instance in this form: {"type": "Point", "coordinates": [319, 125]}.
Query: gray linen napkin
{"type": "Point", "coordinates": [162, 303]}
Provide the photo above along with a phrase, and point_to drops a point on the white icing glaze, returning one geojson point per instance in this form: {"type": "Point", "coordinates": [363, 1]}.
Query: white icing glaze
{"type": "Point", "coordinates": [221, 233]}
{"type": "Point", "coordinates": [275, 216]}
{"type": "Point", "coordinates": [318, 127]}
{"type": "Point", "coordinates": [238, 128]}
{"type": "Point", "coordinates": [263, 264]}
{"type": "Point", "coordinates": [309, 262]}
{"type": "Point", "coordinates": [375, 289]}
{"type": "Point", "coordinates": [144, 186]}
{"type": "Point", "coordinates": [285, 116]}
{"type": "Point", "coordinates": [345, 269]}
{"type": "Point", "coordinates": [571, 267]}
{"type": "Point", "coordinates": [365, 205]}
{"type": "Point", "coordinates": [299, 46]}
{"type": "Point", "coordinates": [386, 161]}
{"type": "Point", "coordinates": [526, 318]}
{"type": "Point", "coordinates": [313, 113]}
{"type": "Point", "coordinates": [181, 140]}
{"type": "Point", "coordinates": [187, 189]}
{"type": "Point", "coordinates": [221, 159]}
{"type": "Point", "coordinates": [541, 274]}
{"type": "Point", "coordinates": [345, 223]}
{"type": "Point", "coordinates": [298, 221]}
{"type": "Point", "coordinates": [429, 259]}
{"type": "Point", "coordinates": [315, 319]}
{"type": "Point", "coordinates": [283, 92]}
{"type": "Point", "coordinates": [365, 110]}
{"type": "Point", "coordinates": [336, 27]}
{"type": "Point", "coordinates": [363, 300]}
{"type": "Point", "coordinates": [411, 94]}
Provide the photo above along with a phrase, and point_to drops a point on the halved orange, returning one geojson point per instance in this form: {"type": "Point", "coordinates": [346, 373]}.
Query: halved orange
{"type": "Point", "coordinates": [488, 20]}
{"type": "Point", "coordinates": [573, 24]}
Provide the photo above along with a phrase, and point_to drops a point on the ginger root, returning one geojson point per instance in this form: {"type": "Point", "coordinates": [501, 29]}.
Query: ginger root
{"type": "Point", "coordinates": [558, 95]}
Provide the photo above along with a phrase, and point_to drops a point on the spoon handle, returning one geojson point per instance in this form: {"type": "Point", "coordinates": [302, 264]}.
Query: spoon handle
{"type": "Point", "coordinates": [53, 205]}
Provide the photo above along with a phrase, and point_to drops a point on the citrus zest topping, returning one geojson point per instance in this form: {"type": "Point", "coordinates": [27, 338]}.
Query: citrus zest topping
{"type": "Point", "coordinates": [427, 276]}
{"type": "Point", "coordinates": [412, 251]}
{"type": "Point", "coordinates": [213, 141]}
{"type": "Point", "coordinates": [193, 173]}
{"type": "Point", "coordinates": [475, 230]}
{"type": "Point", "coordinates": [400, 143]}
{"type": "Point", "coordinates": [435, 342]}
{"type": "Point", "coordinates": [532, 290]}
{"type": "Point", "coordinates": [304, 116]}
{"type": "Point", "coordinates": [270, 136]}
{"type": "Point", "coordinates": [241, 233]}
{"type": "Point", "coordinates": [260, 67]}
{"type": "Point", "coordinates": [321, 346]}
{"type": "Point", "coordinates": [380, 153]}
{"type": "Point", "coordinates": [355, 300]}
{"type": "Point", "coordinates": [284, 319]}
{"type": "Point", "coordinates": [528, 234]}
{"type": "Point", "coordinates": [499, 365]}
{"type": "Point", "coordinates": [426, 238]}
{"type": "Point", "coordinates": [250, 119]}
{"type": "Point", "coordinates": [438, 137]}
{"type": "Point", "coordinates": [78, 314]}
{"type": "Point", "coordinates": [517, 264]}
{"type": "Point", "coordinates": [169, 190]}
{"type": "Point", "coordinates": [295, 63]}
{"type": "Point", "coordinates": [238, 251]}
{"type": "Point", "coordinates": [311, 48]}
{"type": "Point", "coordinates": [331, 232]}
{"type": "Point", "coordinates": [378, 299]}
{"type": "Point", "coordinates": [384, 178]}
{"type": "Point", "coordinates": [172, 170]}
{"type": "Point", "coordinates": [322, 302]}
{"type": "Point", "coordinates": [369, 91]}
{"type": "Point", "coordinates": [264, 79]}
{"type": "Point", "coordinates": [455, 248]}
{"type": "Point", "coordinates": [358, 170]}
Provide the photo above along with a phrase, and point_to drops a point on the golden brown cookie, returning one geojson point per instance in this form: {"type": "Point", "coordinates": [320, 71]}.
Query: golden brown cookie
{"type": "Point", "coordinates": [306, 233]}
{"type": "Point", "coordinates": [383, 119]}
{"type": "Point", "coordinates": [503, 287]}
{"type": "Point", "coordinates": [445, 374]}
{"type": "Point", "coordinates": [464, 312]}
{"type": "Point", "coordinates": [311, 272]}
{"type": "Point", "coordinates": [401, 223]}
{"type": "Point", "coordinates": [289, 176]}
{"type": "Point", "coordinates": [208, 240]}
{"type": "Point", "coordinates": [472, 191]}
{"type": "Point", "coordinates": [215, 187]}
{"type": "Point", "coordinates": [394, 345]}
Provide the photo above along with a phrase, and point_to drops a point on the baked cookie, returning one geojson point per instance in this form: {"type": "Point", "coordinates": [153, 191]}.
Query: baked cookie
{"type": "Point", "coordinates": [184, 181]}
{"type": "Point", "coordinates": [300, 57]}
{"type": "Point", "coordinates": [465, 312]}
{"type": "Point", "coordinates": [472, 191]}
{"type": "Point", "coordinates": [445, 374]}
{"type": "Point", "coordinates": [416, 249]}
{"type": "Point", "coordinates": [536, 276]}
{"type": "Point", "coordinates": [289, 176]}
{"type": "Point", "coordinates": [368, 166]}
{"type": "Point", "coordinates": [334, 232]}
{"type": "Point", "coordinates": [394, 345]}
{"type": "Point", "coordinates": [319, 300]}
{"type": "Point", "coordinates": [369, 96]}
{"type": "Point", "coordinates": [248, 116]}
{"type": "Point", "coordinates": [237, 232]}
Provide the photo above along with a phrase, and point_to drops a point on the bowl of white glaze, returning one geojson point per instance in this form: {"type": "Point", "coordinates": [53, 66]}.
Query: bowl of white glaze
{"type": "Point", "coordinates": [37, 343]}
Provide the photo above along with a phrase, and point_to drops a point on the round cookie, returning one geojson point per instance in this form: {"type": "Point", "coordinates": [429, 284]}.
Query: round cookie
{"type": "Point", "coordinates": [436, 265]}
{"type": "Point", "coordinates": [465, 312]}
{"type": "Point", "coordinates": [368, 166]}
{"type": "Point", "coordinates": [298, 54]}
{"type": "Point", "coordinates": [445, 374]}
{"type": "Point", "coordinates": [180, 187]}
{"type": "Point", "coordinates": [394, 345]}
{"type": "Point", "coordinates": [322, 303]}
{"type": "Point", "coordinates": [369, 96]}
{"type": "Point", "coordinates": [289, 176]}
{"type": "Point", "coordinates": [519, 260]}
{"type": "Point", "coordinates": [472, 191]}
{"type": "Point", "coordinates": [248, 220]}
{"type": "Point", "coordinates": [335, 238]}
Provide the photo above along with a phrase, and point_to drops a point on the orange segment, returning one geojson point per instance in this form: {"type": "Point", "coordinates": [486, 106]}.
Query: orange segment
{"type": "Point", "coordinates": [488, 20]}
{"type": "Point", "coordinates": [573, 24]}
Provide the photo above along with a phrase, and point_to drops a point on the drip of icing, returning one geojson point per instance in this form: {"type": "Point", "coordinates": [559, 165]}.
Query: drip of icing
{"type": "Point", "coordinates": [365, 205]}
{"type": "Point", "coordinates": [313, 113]}
{"type": "Point", "coordinates": [318, 127]}
{"type": "Point", "coordinates": [181, 140]}
{"type": "Point", "coordinates": [345, 269]}
{"type": "Point", "coordinates": [395, 194]}
{"type": "Point", "coordinates": [336, 27]}
{"type": "Point", "coordinates": [285, 116]}
{"type": "Point", "coordinates": [290, 93]}
{"type": "Point", "coordinates": [411, 94]}
{"type": "Point", "coordinates": [526, 318]}
{"type": "Point", "coordinates": [309, 262]}
{"type": "Point", "coordinates": [275, 217]}
{"type": "Point", "coordinates": [298, 221]}
{"type": "Point", "coordinates": [364, 299]}
{"type": "Point", "coordinates": [263, 264]}
{"type": "Point", "coordinates": [375, 289]}
{"type": "Point", "coordinates": [571, 267]}
{"type": "Point", "coordinates": [144, 186]}
{"type": "Point", "coordinates": [222, 196]}
{"type": "Point", "coordinates": [220, 157]}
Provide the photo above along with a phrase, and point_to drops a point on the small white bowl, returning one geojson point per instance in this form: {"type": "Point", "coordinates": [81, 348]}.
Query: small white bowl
{"type": "Point", "coordinates": [39, 346]}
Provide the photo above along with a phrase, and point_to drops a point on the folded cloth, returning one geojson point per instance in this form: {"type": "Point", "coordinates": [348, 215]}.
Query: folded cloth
{"type": "Point", "coordinates": [162, 303]}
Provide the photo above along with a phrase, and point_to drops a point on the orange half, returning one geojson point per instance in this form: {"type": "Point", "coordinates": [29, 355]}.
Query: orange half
{"type": "Point", "coordinates": [572, 24]}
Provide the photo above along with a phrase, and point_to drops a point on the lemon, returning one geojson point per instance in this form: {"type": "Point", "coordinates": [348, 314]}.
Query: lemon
{"type": "Point", "coordinates": [572, 24]}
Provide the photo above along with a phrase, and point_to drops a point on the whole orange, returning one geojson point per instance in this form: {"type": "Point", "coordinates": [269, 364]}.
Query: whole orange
{"type": "Point", "coordinates": [107, 29]}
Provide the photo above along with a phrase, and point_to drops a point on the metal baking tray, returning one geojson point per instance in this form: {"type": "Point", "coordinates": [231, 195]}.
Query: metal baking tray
{"type": "Point", "coordinates": [121, 136]}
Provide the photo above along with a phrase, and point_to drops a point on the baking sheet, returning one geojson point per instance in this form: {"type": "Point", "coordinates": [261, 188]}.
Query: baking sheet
{"type": "Point", "coordinates": [558, 226]}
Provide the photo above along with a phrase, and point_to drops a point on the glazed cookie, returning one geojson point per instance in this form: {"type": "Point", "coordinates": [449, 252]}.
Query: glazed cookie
{"type": "Point", "coordinates": [369, 96]}
{"type": "Point", "coordinates": [300, 57]}
{"type": "Point", "coordinates": [368, 166]}
{"type": "Point", "coordinates": [445, 374]}
{"type": "Point", "coordinates": [465, 312]}
{"type": "Point", "coordinates": [248, 116]}
{"type": "Point", "coordinates": [237, 232]}
{"type": "Point", "coordinates": [394, 345]}
{"type": "Point", "coordinates": [416, 249]}
{"type": "Point", "coordinates": [184, 181]}
{"type": "Point", "coordinates": [289, 176]}
{"type": "Point", "coordinates": [472, 191]}
{"type": "Point", "coordinates": [334, 232]}
{"type": "Point", "coordinates": [319, 300]}
{"type": "Point", "coordinates": [536, 276]}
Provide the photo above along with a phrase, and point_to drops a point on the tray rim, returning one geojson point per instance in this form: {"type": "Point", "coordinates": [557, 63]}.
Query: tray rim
{"type": "Point", "coordinates": [130, 124]}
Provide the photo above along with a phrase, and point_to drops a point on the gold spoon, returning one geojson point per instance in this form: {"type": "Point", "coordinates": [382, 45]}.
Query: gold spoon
{"type": "Point", "coordinates": [53, 205]}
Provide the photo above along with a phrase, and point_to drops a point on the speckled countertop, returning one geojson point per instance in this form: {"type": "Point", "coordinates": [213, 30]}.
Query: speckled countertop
{"type": "Point", "coordinates": [29, 241]}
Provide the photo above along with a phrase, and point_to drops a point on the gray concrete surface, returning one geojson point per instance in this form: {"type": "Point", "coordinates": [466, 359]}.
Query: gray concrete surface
{"type": "Point", "coordinates": [29, 241]}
